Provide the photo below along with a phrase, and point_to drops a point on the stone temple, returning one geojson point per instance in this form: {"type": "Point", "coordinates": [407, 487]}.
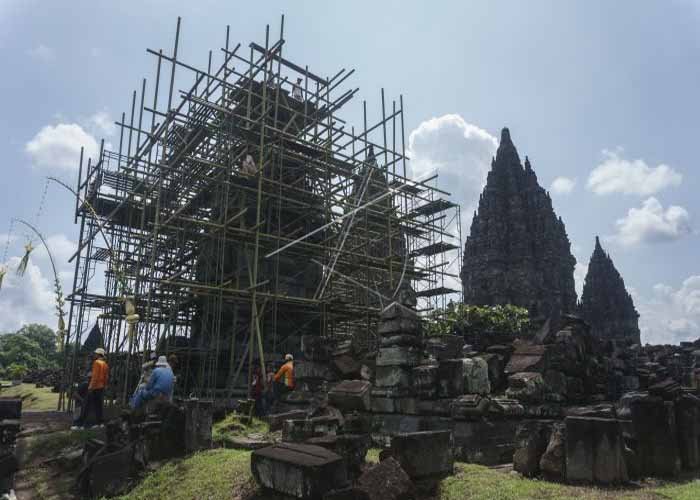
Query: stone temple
{"type": "Point", "coordinates": [518, 251]}
{"type": "Point", "coordinates": [605, 303]}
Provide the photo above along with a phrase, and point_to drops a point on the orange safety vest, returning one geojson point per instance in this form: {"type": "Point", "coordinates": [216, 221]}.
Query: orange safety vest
{"type": "Point", "coordinates": [286, 372]}
{"type": "Point", "coordinates": [100, 375]}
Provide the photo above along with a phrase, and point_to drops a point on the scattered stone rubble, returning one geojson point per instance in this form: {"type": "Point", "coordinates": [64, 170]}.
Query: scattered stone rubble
{"type": "Point", "coordinates": [562, 404]}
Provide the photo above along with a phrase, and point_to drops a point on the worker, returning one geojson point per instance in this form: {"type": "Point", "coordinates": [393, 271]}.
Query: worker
{"type": "Point", "coordinates": [94, 400]}
{"type": "Point", "coordinates": [296, 90]}
{"type": "Point", "coordinates": [160, 385]}
{"type": "Point", "coordinates": [249, 167]}
{"type": "Point", "coordinates": [146, 370]}
{"type": "Point", "coordinates": [284, 378]}
{"type": "Point", "coordinates": [257, 388]}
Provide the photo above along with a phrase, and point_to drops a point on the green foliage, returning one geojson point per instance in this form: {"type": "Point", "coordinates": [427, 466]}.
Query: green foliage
{"type": "Point", "coordinates": [32, 347]}
{"type": "Point", "coordinates": [231, 426]}
{"type": "Point", "coordinates": [33, 398]}
{"type": "Point", "coordinates": [16, 371]}
{"type": "Point", "coordinates": [465, 319]}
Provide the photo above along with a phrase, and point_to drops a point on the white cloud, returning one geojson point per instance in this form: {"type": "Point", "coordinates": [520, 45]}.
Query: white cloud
{"type": "Point", "coordinates": [669, 315]}
{"type": "Point", "coordinates": [580, 272]}
{"type": "Point", "coordinates": [62, 249]}
{"type": "Point", "coordinates": [26, 299]}
{"type": "Point", "coordinates": [59, 146]}
{"type": "Point", "coordinates": [42, 53]}
{"type": "Point", "coordinates": [562, 185]}
{"type": "Point", "coordinates": [652, 224]}
{"type": "Point", "coordinates": [102, 123]}
{"type": "Point", "coordinates": [459, 151]}
{"type": "Point", "coordinates": [619, 175]}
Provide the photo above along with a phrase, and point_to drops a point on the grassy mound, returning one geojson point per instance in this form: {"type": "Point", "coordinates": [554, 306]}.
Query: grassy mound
{"type": "Point", "coordinates": [224, 431]}
{"type": "Point", "coordinates": [224, 474]}
{"type": "Point", "coordinates": [33, 398]}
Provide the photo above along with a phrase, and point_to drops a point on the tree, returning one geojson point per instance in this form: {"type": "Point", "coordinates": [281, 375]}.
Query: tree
{"type": "Point", "coordinates": [16, 371]}
{"type": "Point", "coordinates": [465, 319]}
{"type": "Point", "coordinates": [32, 346]}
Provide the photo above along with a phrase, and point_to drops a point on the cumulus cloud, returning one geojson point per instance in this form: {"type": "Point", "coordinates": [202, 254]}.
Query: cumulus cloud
{"type": "Point", "coordinates": [26, 299]}
{"type": "Point", "coordinates": [58, 146]}
{"type": "Point", "coordinates": [653, 224]}
{"type": "Point", "coordinates": [42, 53]}
{"type": "Point", "coordinates": [562, 185]}
{"type": "Point", "coordinates": [619, 175]}
{"type": "Point", "coordinates": [461, 154]}
{"type": "Point", "coordinates": [669, 315]}
{"type": "Point", "coordinates": [102, 123]}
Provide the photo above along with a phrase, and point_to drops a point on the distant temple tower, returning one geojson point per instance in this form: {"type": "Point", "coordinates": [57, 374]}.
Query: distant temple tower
{"type": "Point", "coordinates": [605, 303]}
{"type": "Point", "coordinates": [518, 251]}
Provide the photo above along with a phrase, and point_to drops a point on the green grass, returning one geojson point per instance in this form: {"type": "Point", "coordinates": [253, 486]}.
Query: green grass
{"type": "Point", "coordinates": [33, 398]}
{"type": "Point", "coordinates": [231, 426]}
{"type": "Point", "coordinates": [225, 474]}
{"type": "Point", "coordinates": [212, 475]}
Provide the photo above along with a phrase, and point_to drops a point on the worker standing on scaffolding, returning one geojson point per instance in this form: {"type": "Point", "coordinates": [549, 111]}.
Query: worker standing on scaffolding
{"type": "Point", "coordinates": [296, 90]}
{"type": "Point", "coordinates": [284, 378]}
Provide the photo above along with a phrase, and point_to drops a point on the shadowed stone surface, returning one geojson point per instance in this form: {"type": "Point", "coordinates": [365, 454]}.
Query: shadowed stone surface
{"type": "Point", "coordinates": [424, 454]}
{"type": "Point", "coordinates": [595, 450]}
{"type": "Point", "coordinates": [298, 470]}
{"type": "Point", "coordinates": [518, 251]}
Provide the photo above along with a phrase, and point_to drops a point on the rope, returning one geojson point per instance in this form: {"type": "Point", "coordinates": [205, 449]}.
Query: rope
{"type": "Point", "coordinates": [7, 243]}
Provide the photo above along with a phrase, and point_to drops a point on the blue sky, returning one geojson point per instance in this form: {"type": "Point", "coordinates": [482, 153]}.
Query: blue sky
{"type": "Point", "coordinates": [599, 94]}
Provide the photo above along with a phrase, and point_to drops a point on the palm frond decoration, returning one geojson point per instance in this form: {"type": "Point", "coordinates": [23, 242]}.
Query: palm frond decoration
{"type": "Point", "coordinates": [25, 260]}
{"type": "Point", "coordinates": [3, 271]}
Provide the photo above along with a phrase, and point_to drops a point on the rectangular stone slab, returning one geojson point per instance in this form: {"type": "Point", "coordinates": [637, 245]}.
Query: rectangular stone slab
{"type": "Point", "coordinates": [392, 376]}
{"type": "Point", "coordinates": [399, 356]}
{"type": "Point", "coordinates": [424, 454]}
{"type": "Point", "coordinates": [351, 395]}
{"type": "Point", "coordinates": [298, 470]}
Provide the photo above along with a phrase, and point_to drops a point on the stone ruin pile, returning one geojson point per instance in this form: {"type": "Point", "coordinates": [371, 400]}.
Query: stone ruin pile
{"type": "Point", "coordinates": [561, 404]}
{"type": "Point", "coordinates": [164, 431]}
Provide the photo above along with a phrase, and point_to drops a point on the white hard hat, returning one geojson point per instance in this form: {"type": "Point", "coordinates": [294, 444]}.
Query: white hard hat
{"type": "Point", "coordinates": [100, 351]}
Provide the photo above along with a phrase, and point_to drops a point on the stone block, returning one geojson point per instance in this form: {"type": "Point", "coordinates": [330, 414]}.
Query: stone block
{"type": "Point", "coordinates": [603, 410]}
{"type": "Point", "coordinates": [444, 347]}
{"type": "Point", "coordinates": [350, 395]}
{"type": "Point", "coordinates": [386, 481]}
{"type": "Point", "coordinates": [553, 461]}
{"type": "Point", "coordinates": [495, 370]}
{"type": "Point", "coordinates": [352, 447]}
{"type": "Point", "coordinates": [652, 434]}
{"type": "Point", "coordinates": [350, 493]}
{"type": "Point", "coordinates": [531, 440]}
{"type": "Point", "coordinates": [396, 310]}
{"type": "Point", "coordinates": [313, 370]}
{"type": "Point", "coordinates": [398, 326]}
{"type": "Point", "coordinates": [476, 376]}
{"type": "Point", "coordinates": [426, 454]}
{"type": "Point", "coordinates": [276, 421]}
{"type": "Point", "coordinates": [425, 381]}
{"type": "Point", "coordinates": [450, 378]}
{"type": "Point", "coordinates": [399, 356]}
{"type": "Point", "coordinates": [470, 406]}
{"type": "Point", "coordinates": [298, 470]}
{"type": "Point", "coordinates": [393, 376]}
{"type": "Point", "coordinates": [198, 423]}
{"type": "Point", "coordinates": [688, 423]}
{"type": "Point", "coordinates": [407, 405]}
{"type": "Point", "coordinates": [347, 366]}
{"type": "Point", "coordinates": [10, 408]}
{"type": "Point", "coordinates": [405, 340]}
{"type": "Point", "coordinates": [107, 475]}
{"type": "Point", "coordinates": [484, 442]}
{"type": "Point", "coordinates": [555, 386]}
{"type": "Point", "coordinates": [528, 358]}
{"type": "Point", "coordinates": [8, 463]}
{"type": "Point", "coordinates": [526, 386]}
{"type": "Point", "coordinates": [506, 408]}
{"type": "Point", "coordinates": [438, 407]}
{"type": "Point", "coordinates": [383, 405]}
{"type": "Point", "coordinates": [595, 450]}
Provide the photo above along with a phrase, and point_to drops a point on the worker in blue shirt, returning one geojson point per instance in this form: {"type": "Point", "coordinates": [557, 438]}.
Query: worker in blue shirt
{"type": "Point", "coordinates": [160, 385]}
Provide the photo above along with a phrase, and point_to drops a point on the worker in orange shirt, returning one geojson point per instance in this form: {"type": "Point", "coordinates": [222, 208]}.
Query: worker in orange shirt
{"type": "Point", "coordinates": [95, 397]}
{"type": "Point", "coordinates": [284, 378]}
